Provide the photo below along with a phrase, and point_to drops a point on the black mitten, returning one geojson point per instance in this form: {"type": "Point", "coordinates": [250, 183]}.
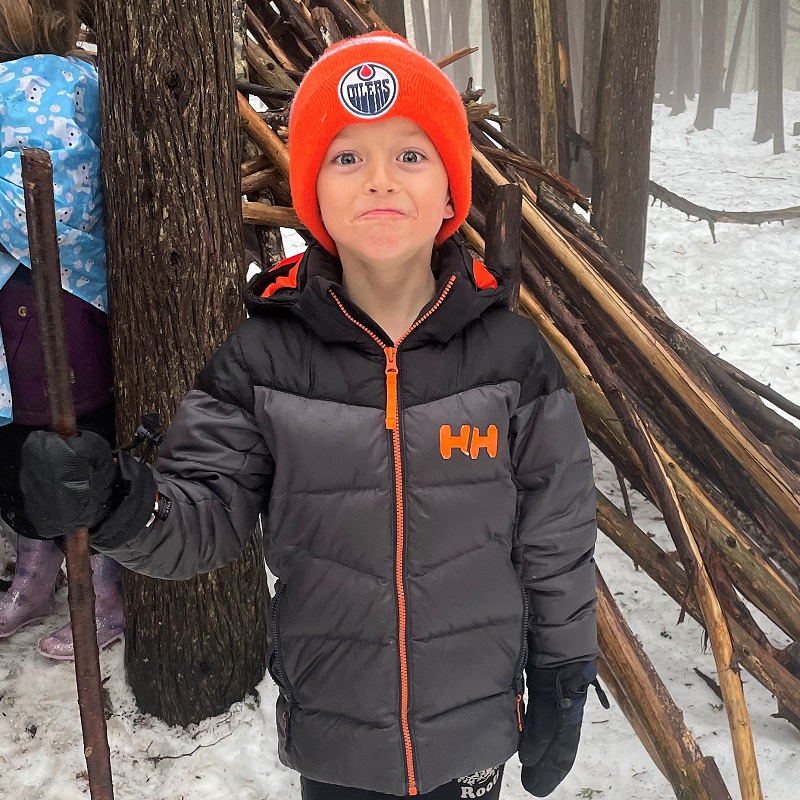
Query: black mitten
{"type": "Point", "coordinates": [66, 483]}
{"type": "Point", "coordinates": [552, 730]}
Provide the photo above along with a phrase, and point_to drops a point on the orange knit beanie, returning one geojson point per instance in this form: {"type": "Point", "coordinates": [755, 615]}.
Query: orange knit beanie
{"type": "Point", "coordinates": [375, 76]}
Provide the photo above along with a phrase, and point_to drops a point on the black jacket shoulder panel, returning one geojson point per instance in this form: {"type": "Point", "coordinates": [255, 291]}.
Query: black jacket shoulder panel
{"type": "Point", "coordinates": [226, 377]}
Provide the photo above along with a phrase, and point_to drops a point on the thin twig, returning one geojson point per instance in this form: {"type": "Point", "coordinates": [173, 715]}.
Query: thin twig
{"type": "Point", "coordinates": [157, 759]}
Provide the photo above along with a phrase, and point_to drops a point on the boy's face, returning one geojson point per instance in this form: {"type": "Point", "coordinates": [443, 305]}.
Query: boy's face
{"type": "Point", "coordinates": [383, 191]}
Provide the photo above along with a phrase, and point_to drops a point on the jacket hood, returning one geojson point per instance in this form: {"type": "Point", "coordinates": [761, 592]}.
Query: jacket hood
{"type": "Point", "coordinates": [305, 284]}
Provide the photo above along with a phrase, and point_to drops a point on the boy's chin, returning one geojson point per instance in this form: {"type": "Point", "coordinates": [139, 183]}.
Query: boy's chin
{"type": "Point", "coordinates": [388, 249]}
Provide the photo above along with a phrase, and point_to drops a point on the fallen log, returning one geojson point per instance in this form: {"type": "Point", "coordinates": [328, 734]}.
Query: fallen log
{"type": "Point", "coordinates": [713, 217]}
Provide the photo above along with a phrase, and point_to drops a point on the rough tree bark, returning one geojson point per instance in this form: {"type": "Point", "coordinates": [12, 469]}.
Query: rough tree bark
{"type": "Point", "coordinates": [173, 227]}
{"type": "Point", "coordinates": [769, 116]}
{"type": "Point", "coordinates": [624, 125]}
{"type": "Point", "coordinates": [393, 13]}
{"type": "Point", "coordinates": [592, 48]}
{"type": "Point", "coordinates": [567, 155]}
{"type": "Point", "coordinates": [523, 45]}
{"type": "Point", "coordinates": [712, 63]}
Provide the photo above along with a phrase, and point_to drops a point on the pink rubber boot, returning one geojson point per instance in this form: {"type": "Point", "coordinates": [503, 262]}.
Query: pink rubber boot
{"type": "Point", "coordinates": [32, 593]}
{"type": "Point", "coordinates": [109, 615]}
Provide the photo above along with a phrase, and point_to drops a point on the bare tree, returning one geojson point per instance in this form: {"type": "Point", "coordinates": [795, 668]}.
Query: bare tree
{"type": "Point", "coordinates": [769, 116]}
{"type": "Point", "coordinates": [624, 126]}
{"type": "Point", "coordinates": [419, 24]}
{"type": "Point", "coordinates": [173, 227]}
{"type": "Point", "coordinates": [680, 42]}
{"type": "Point", "coordinates": [733, 61]}
{"type": "Point", "coordinates": [665, 59]}
{"type": "Point", "coordinates": [460, 13]}
{"type": "Point", "coordinates": [712, 65]}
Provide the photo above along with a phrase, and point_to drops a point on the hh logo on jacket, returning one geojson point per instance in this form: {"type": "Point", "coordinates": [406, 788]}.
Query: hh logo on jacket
{"type": "Point", "coordinates": [468, 440]}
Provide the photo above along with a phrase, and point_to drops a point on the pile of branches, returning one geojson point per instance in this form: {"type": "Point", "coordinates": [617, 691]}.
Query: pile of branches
{"type": "Point", "coordinates": [694, 434]}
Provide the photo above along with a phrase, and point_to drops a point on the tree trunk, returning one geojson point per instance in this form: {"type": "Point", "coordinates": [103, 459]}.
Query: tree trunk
{"type": "Point", "coordinates": [393, 13]}
{"type": "Point", "coordinates": [487, 58]}
{"type": "Point", "coordinates": [523, 43]}
{"type": "Point", "coordinates": [464, 68]}
{"type": "Point", "coordinates": [665, 60]}
{"type": "Point", "coordinates": [547, 82]}
{"type": "Point", "coordinates": [686, 81]}
{"type": "Point", "coordinates": [769, 117]}
{"type": "Point", "coordinates": [730, 76]}
{"type": "Point", "coordinates": [173, 228]}
{"type": "Point", "coordinates": [567, 154]}
{"type": "Point", "coordinates": [624, 126]}
{"type": "Point", "coordinates": [440, 36]}
{"type": "Point", "coordinates": [592, 49]}
{"type": "Point", "coordinates": [677, 100]}
{"type": "Point", "coordinates": [590, 69]}
{"type": "Point", "coordinates": [683, 56]}
{"type": "Point", "coordinates": [712, 65]}
{"type": "Point", "coordinates": [419, 24]}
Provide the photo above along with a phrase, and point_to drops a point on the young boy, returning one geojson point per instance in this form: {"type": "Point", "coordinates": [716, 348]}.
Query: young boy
{"type": "Point", "coordinates": [422, 470]}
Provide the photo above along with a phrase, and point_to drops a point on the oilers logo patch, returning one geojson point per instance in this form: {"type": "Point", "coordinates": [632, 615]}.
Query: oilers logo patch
{"type": "Point", "coordinates": [368, 90]}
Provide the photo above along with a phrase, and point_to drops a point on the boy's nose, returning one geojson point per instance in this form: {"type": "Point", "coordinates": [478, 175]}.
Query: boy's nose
{"type": "Point", "coordinates": [380, 180]}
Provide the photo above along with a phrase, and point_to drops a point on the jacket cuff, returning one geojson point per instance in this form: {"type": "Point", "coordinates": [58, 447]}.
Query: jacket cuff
{"type": "Point", "coordinates": [133, 504]}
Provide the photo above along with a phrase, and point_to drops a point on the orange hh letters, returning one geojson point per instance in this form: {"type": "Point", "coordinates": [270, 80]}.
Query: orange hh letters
{"type": "Point", "coordinates": [489, 442]}
{"type": "Point", "coordinates": [447, 441]}
{"type": "Point", "coordinates": [473, 447]}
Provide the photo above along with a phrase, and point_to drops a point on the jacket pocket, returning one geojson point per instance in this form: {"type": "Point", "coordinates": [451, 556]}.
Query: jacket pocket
{"type": "Point", "coordinates": [519, 672]}
{"type": "Point", "coordinates": [522, 660]}
{"type": "Point", "coordinates": [276, 668]}
{"type": "Point", "coordinates": [275, 662]}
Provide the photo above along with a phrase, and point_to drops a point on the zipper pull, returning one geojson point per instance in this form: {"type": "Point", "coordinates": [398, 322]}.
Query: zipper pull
{"type": "Point", "coordinates": [519, 712]}
{"type": "Point", "coordinates": [391, 387]}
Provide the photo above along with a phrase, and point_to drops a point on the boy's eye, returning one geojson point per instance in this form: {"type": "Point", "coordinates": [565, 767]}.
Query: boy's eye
{"type": "Point", "coordinates": [345, 159]}
{"type": "Point", "coordinates": [411, 157]}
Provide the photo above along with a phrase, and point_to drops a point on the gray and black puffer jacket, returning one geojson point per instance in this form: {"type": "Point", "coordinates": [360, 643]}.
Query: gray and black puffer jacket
{"type": "Point", "coordinates": [429, 512]}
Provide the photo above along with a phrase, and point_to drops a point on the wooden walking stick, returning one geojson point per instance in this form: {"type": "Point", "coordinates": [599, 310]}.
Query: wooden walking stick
{"type": "Point", "coordinates": [37, 180]}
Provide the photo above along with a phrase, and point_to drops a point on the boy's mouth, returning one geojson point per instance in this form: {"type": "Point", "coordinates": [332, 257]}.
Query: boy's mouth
{"type": "Point", "coordinates": [381, 213]}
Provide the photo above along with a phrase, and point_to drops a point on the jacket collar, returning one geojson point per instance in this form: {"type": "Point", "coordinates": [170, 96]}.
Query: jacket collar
{"type": "Point", "coordinates": [302, 286]}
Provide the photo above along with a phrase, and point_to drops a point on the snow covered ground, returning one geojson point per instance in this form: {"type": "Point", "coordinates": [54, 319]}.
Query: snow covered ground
{"type": "Point", "coordinates": [741, 298]}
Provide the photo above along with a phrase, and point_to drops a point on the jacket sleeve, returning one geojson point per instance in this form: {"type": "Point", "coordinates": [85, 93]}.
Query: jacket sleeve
{"type": "Point", "coordinates": [556, 520]}
{"type": "Point", "coordinates": [212, 479]}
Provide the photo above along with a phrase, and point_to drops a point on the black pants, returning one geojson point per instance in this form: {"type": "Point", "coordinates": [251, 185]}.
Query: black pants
{"type": "Point", "coordinates": [12, 437]}
{"type": "Point", "coordinates": [484, 785]}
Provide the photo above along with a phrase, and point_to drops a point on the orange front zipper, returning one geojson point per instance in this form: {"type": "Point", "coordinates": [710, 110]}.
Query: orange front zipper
{"type": "Point", "coordinates": [393, 425]}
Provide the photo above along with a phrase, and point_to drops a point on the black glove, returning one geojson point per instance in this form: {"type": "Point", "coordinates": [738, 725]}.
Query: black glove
{"type": "Point", "coordinates": [66, 483]}
{"type": "Point", "coordinates": [552, 729]}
